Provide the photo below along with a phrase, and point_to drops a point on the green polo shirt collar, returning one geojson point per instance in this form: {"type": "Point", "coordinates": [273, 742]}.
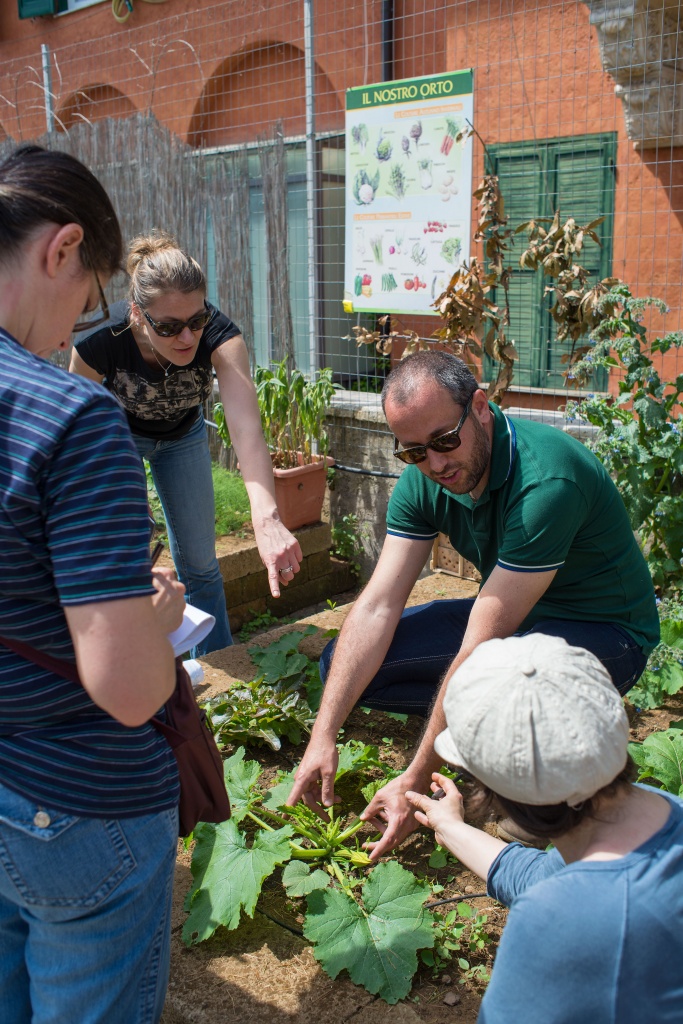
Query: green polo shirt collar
{"type": "Point", "coordinates": [503, 453]}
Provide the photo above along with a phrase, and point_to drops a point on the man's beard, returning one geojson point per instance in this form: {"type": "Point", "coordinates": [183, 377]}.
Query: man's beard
{"type": "Point", "coordinates": [477, 463]}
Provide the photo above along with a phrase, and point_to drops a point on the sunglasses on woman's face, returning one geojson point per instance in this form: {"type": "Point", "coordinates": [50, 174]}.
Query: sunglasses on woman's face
{"type": "Point", "coordinates": [444, 443]}
{"type": "Point", "coordinates": [172, 328]}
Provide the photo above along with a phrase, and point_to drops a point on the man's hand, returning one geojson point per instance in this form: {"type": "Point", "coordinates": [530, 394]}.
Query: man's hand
{"type": "Point", "coordinates": [391, 813]}
{"type": "Point", "coordinates": [314, 778]}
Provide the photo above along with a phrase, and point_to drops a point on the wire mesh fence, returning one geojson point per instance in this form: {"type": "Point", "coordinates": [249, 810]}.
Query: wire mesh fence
{"type": "Point", "coordinates": [232, 126]}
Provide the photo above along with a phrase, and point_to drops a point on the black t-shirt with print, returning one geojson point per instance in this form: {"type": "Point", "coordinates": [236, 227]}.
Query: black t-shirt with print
{"type": "Point", "coordinates": [159, 405]}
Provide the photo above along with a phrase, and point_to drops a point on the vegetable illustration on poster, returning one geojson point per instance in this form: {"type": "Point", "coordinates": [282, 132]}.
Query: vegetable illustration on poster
{"type": "Point", "coordinates": [408, 191]}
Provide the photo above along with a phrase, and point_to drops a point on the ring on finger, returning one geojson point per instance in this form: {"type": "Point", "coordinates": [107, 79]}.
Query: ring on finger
{"type": "Point", "coordinates": [287, 568]}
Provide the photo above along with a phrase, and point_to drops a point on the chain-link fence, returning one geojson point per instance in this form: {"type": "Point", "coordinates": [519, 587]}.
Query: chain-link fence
{"type": "Point", "coordinates": [316, 209]}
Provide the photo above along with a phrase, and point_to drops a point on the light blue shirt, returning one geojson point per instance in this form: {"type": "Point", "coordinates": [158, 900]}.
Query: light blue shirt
{"type": "Point", "coordinates": [598, 942]}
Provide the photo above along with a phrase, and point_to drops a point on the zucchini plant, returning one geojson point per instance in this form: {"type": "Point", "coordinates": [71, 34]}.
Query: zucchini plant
{"type": "Point", "coordinates": [371, 925]}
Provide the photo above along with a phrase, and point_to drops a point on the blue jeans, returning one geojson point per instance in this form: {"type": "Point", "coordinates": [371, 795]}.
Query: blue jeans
{"type": "Point", "coordinates": [85, 915]}
{"type": "Point", "coordinates": [181, 471]}
{"type": "Point", "coordinates": [428, 637]}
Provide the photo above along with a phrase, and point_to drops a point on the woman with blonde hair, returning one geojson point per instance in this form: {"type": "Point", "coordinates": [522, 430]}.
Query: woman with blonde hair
{"type": "Point", "coordinates": [157, 355]}
{"type": "Point", "coordinates": [88, 786]}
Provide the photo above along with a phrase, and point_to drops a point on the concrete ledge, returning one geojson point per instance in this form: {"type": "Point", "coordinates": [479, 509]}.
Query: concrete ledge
{"type": "Point", "coordinates": [245, 581]}
{"type": "Point", "coordinates": [243, 558]}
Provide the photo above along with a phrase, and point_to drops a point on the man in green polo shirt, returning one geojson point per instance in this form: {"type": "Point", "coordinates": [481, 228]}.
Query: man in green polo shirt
{"type": "Point", "coordinates": [538, 515]}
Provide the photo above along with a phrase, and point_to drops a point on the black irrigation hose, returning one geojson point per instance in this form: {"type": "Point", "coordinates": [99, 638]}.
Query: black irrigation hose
{"type": "Point", "coordinates": [366, 472]}
{"type": "Point", "coordinates": [454, 899]}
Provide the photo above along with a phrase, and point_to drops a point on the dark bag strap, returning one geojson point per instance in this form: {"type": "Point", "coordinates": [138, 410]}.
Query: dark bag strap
{"type": "Point", "coordinates": [47, 661]}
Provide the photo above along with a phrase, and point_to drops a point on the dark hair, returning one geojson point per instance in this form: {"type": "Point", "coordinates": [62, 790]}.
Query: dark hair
{"type": "Point", "coordinates": [40, 186]}
{"type": "Point", "coordinates": [446, 369]}
{"type": "Point", "coordinates": [549, 820]}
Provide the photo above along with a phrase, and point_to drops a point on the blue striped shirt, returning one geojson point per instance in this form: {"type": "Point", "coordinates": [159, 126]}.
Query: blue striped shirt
{"type": "Point", "coordinates": [73, 530]}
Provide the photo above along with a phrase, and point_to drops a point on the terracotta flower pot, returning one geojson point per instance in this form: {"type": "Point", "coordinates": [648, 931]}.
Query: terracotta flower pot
{"type": "Point", "coordinates": [300, 491]}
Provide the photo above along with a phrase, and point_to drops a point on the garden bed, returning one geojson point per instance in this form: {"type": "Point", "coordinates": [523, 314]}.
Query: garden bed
{"type": "Point", "coordinates": [264, 971]}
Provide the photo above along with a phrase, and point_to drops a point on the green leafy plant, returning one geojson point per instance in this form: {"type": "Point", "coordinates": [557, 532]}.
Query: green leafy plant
{"type": "Point", "coordinates": [231, 500]}
{"type": "Point", "coordinates": [359, 134]}
{"type": "Point", "coordinates": [372, 927]}
{"type": "Point", "coordinates": [397, 179]}
{"type": "Point", "coordinates": [232, 508]}
{"type": "Point", "coordinates": [280, 702]}
{"type": "Point", "coordinates": [259, 622]}
{"type": "Point", "coordinates": [282, 662]}
{"type": "Point", "coordinates": [639, 439]}
{"type": "Point", "coordinates": [660, 759]}
{"type": "Point", "coordinates": [293, 408]}
{"type": "Point", "coordinates": [663, 676]}
{"type": "Point", "coordinates": [459, 931]}
{"type": "Point", "coordinates": [258, 712]}
{"type": "Point", "coordinates": [347, 541]}
{"type": "Point", "coordinates": [375, 936]}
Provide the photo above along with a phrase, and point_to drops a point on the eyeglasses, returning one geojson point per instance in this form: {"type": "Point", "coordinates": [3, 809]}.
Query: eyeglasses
{"type": "Point", "coordinates": [444, 443]}
{"type": "Point", "coordinates": [94, 321]}
{"type": "Point", "coordinates": [172, 328]}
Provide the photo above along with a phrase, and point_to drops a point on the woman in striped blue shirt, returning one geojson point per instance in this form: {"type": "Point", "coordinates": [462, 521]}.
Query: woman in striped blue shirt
{"type": "Point", "coordinates": [88, 788]}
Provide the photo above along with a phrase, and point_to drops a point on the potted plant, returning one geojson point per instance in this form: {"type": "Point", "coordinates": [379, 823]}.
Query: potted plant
{"type": "Point", "coordinates": [293, 409]}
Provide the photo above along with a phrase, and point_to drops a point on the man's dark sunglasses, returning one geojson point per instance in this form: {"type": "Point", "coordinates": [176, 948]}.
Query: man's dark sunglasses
{"type": "Point", "coordinates": [94, 321]}
{"type": "Point", "coordinates": [444, 443]}
{"type": "Point", "coordinates": [172, 328]}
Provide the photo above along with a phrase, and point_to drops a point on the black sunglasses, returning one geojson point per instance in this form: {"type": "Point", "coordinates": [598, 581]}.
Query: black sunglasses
{"type": "Point", "coordinates": [444, 443]}
{"type": "Point", "coordinates": [94, 321]}
{"type": "Point", "coordinates": [172, 328]}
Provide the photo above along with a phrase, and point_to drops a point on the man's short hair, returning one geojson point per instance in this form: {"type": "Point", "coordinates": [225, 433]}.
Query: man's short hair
{"type": "Point", "coordinates": [422, 367]}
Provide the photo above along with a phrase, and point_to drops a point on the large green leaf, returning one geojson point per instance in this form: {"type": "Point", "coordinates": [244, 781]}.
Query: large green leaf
{"type": "Point", "coordinates": [299, 880]}
{"type": "Point", "coordinates": [377, 942]}
{"type": "Point", "coordinates": [672, 633]}
{"type": "Point", "coordinates": [228, 876]}
{"type": "Point", "coordinates": [661, 757]}
{"type": "Point", "coordinates": [277, 795]}
{"type": "Point", "coordinates": [240, 778]}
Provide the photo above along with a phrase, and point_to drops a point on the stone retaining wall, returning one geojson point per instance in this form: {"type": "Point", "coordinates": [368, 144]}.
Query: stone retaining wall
{"type": "Point", "coordinates": [246, 583]}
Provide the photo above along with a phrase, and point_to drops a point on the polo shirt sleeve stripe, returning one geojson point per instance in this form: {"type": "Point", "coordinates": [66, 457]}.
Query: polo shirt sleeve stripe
{"type": "Point", "coordinates": [412, 536]}
{"type": "Point", "coordinates": [550, 567]}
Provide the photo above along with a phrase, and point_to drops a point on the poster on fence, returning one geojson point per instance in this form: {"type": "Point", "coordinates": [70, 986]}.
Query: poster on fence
{"type": "Point", "coordinates": [408, 191]}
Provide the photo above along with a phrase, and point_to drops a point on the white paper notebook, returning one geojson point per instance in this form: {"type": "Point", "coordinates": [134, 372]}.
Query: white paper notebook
{"type": "Point", "coordinates": [194, 627]}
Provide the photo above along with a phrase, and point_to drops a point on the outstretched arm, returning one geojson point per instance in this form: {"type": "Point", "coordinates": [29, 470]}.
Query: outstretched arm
{"type": "Point", "coordinates": [277, 547]}
{"type": "Point", "coordinates": [360, 651]}
{"type": "Point", "coordinates": [502, 605]}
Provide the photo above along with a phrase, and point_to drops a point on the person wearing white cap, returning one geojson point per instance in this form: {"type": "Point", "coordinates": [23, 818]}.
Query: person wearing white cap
{"type": "Point", "coordinates": [595, 930]}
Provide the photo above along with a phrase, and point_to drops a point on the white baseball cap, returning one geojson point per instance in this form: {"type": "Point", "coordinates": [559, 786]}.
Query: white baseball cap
{"type": "Point", "coordinates": [535, 720]}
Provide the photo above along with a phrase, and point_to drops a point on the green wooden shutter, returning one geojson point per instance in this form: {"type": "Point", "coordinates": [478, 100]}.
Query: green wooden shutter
{"type": "Point", "coordinates": [521, 174]}
{"type": "Point", "coordinates": [36, 8]}
{"type": "Point", "coordinates": [577, 175]}
{"type": "Point", "coordinates": [584, 190]}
